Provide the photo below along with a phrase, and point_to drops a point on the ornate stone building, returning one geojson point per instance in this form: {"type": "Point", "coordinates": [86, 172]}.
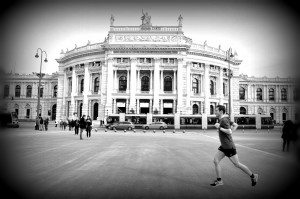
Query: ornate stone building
{"type": "Point", "coordinates": [145, 69]}
{"type": "Point", "coordinates": [274, 96]}
{"type": "Point", "coordinates": [152, 73]}
{"type": "Point", "coordinates": [20, 94]}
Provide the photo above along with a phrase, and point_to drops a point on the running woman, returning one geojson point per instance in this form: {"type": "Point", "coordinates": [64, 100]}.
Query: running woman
{"type": "Point", "coordinates": [228, 148]}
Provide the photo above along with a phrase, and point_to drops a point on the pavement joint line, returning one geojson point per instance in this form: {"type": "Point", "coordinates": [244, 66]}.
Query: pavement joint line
{"type": "Point", "coordinates": [49, 149]}
{"type": "Point", "coordinates": [271, 154]}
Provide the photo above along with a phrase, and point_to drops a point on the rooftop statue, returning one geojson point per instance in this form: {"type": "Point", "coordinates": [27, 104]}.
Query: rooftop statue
{"type": "Point", "coordinates": [146, 19]}
{"type": "Point", "coordinates": [180, 20]}
{"type": "Point", "coordinates": [112, 19]}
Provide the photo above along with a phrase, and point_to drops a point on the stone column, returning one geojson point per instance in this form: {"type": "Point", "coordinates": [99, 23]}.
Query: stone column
{"type": "Point", "coordinates": [109, 86]}
{"type": "Point", "coordinates": [156, 84]}
{"type": "Point", "coordinates": [73, 92]}
{"type": "Point", "coordinates": [138, 83]}
{"type": "Point", "coordinates": [174, 80]}
{"type": "Point", "coordinates": [221, 96]}
{"type": "Point", "coordinates": [206, 89]}
{"type": "Point", "coordinates": [161, 81]}
{"type": "Point", "coordinates": [115, 81]}
{"type": "Point", "coordinates": [132, 83]}
{"type": "Point", "coordinates": [180, 85]}
{"type": "Point", "coordinates": [60, 93]}
{"type": "Point", "coordinates": [86, 85]}
{"type": "Point", "coordinates": [151, 82]}
{"type": "Point", "coordinates": [137, 106]}
{"type": "Point", "coordinates": [188, 85]}
{"type": "Point", "coordinates": [128, 80]}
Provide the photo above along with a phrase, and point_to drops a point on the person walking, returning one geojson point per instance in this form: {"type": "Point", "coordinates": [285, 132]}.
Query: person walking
{"type": "Point", "coordinates": [88, 127]}
{"type": "Point", "coordinates": [41, 124]}
{"type": "Point", "coordinates": [82, 125]}
{"type": "Point", "coordinates": [76, 126]}
{"type": "Point", "coordinates": [227, 148]}
{"type": "Point", "coordinates": [46, 122]}
{"type": "Point", "coordinates": [287, 133]}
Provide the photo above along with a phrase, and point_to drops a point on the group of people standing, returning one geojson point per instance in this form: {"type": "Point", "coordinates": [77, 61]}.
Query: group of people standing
{"type": "Point", "coordinates": [41, 123]}
{"type": "Point", "coordinates": [85, 123]}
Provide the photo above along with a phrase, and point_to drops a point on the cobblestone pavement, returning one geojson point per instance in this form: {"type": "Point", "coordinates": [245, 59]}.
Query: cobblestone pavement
{"type": "Point", "coordinates": [56, 164]}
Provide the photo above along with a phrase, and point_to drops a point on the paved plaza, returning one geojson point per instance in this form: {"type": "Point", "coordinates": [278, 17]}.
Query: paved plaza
{"type": "Point", "coordinates": [56, 164]}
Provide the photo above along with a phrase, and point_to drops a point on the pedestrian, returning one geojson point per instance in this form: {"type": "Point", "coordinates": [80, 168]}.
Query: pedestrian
{"type": "Point", "coordinates": [41, 123]}
{"type": "Point", "coordinates": [65, 124]}
{"type": "Point", "coordinates": [88, 127]}
{"type": "Point", "coordinates": [82, 125]}
{"type": "Point", "coordinates": [46, 122]}
{"type": "Point", "coordinates": [37, 123]}
{"type": "Point", "coordinates": [69, 124]}
{"type": "Point", "coordinates": [228, 148]}
{"type": "Point", "coordinates": [287, 133]}
{"type": "Point", "coordinates": [76, 126]}
{"type": "Point", "coordinates": [61, 124]}
{"type": "Point", "coordinates": [56, 123]}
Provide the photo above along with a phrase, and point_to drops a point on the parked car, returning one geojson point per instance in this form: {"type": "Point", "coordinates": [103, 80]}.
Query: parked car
{"type": "Point", "coordinates": [109, 124]}
{"type": "Point", "coordinates": [155, 125]}
{"type": "Point", "coordinates": [122, 126]}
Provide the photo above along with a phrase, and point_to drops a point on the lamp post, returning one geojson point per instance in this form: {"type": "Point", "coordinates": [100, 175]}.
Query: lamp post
{"type": "Point", "coordinates": [229, 55]}
{"type": "Point", "coordinates": [40, 77]}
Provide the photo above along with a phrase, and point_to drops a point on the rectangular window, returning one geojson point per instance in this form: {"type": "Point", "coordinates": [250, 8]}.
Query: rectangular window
{"type": "Point", "coordinates": [118, 60]}
{"type": "Point", "coordinates": [27, 113]}
{"type": "Point", "coordinates": [141, 60]}
{"type": "Point", "coordinates": [165, 60]}
{"type": "Point", "coordinates": [172, 61]}
{"type": "Point", "coordinates": [283, 116]}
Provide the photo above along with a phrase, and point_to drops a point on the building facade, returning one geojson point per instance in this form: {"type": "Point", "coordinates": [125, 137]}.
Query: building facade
{"type": "Point", "coordinates": [20, 94]}
{"type": "Point", "coordinates": [152, 72]}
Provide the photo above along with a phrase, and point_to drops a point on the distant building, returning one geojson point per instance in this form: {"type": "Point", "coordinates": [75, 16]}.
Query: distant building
{"type": "Point", "coordinates": [20, 94]}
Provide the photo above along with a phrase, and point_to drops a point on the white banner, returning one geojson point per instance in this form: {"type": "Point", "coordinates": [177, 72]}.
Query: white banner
{"type": "Point", "coordinates": [168, 105]}
{"type": "Point", "coordinates": [120, 104]}
{"type": "Point", "coordinates": [144, 105]}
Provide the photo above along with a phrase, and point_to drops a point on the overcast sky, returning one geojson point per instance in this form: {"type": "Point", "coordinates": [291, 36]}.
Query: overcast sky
{"type": "Point", "coordinates": [264, 33]}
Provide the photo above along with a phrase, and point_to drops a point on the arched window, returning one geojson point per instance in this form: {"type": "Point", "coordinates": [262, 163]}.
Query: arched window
{"type": "Point", "coordinates": [96, 85]}
{"type": "Point", "coordinates": [224, 89]}
{"type": "Point", "coordinates": [243, 110]}
{"type": "Point", "coordinates": [145, 83]}
{"type": "Point", "coordinates": [260, 111]}
{"type": "Point", "coordinates": [81, 86]}
{"type": "Point", "coordinates": [55, 91]}
{"type": "Point", "coordinates": [168, 83]}
{"type": "Point", "coordinates": [271, 94]}
{"type": "Point", "coordinates": [41, 91]}
{"type": "Point", "coordinates": [122, 83]}
{"type": "Point", "coordinates": [195, 86]}
{"type": "Point", "coordinates": [212, 109]}
{"type": "Point", "coordinates": [195, 109]}
{"type": "Point", "coordinates": [259, 94]}
{"type": "Point", "coordinates": [70, 85]}
{"type": "Point", "coordinates": [212, 87]}
{"type": "Point", "coordinates": [18, 91]}
{"type": "Point", "coordinates": [28, 91]}
{"type": "Point", "coordinates": [6, 90]}
{"type": "Point", "coordinates": [283, 94]}
{"type": "Point", "coordinates": [242, 93]}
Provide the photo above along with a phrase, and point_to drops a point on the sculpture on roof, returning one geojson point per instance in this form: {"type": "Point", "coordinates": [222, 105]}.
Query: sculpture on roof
{"type": "Point", "coordinates": [112, 19]}
{"type": "Point", "coordinates": [180, 20]}
{"type": "Point", "coordinates": [146, 19]}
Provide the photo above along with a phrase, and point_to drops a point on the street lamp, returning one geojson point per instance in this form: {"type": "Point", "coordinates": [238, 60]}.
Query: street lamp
{"type": "Point", "coordinates": [229, 55]}
{"type": "Point", "coordinates": [40, 77]}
